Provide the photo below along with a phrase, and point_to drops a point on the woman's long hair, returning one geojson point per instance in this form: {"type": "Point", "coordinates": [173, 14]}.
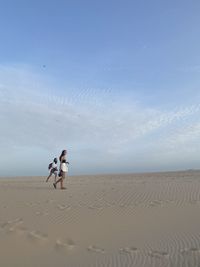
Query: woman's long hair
{"type": "Point", "coordinates": [62, 154]}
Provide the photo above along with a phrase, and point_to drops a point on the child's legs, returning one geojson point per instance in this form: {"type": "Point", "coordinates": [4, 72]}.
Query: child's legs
{"type": "Point", "coordinates": [55, 174]}
{"type": "Point", "coordinates": [49, 176]}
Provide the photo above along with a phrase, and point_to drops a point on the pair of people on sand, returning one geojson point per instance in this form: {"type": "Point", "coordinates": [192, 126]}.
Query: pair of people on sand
{"type": "Point", "coordinates": [63, 169]}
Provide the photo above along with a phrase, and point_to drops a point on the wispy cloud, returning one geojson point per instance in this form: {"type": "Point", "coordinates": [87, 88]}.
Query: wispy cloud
{"type": "Point", "coordinates": [93, 123]}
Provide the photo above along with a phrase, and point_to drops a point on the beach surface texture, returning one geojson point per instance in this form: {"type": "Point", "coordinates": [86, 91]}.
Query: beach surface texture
{"type": "Point", "coordinates": [150, 219]}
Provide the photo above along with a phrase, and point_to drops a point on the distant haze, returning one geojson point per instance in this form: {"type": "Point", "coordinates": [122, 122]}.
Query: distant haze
{"type": "Point", "coordinates": [116, 83]}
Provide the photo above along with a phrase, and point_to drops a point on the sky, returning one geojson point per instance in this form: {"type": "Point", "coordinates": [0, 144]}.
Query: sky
{"type": "Point", "coordinates": [116, 83]}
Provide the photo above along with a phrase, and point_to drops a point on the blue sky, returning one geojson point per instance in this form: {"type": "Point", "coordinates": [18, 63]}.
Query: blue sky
{"type": "Point", "coordinates": [114, 82]}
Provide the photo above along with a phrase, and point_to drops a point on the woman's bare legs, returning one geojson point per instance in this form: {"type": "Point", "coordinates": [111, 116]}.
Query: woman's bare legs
{"type": "Point", "coordinates": [58, 181]}
{"type": "Point", "coordinates": [61, 183]}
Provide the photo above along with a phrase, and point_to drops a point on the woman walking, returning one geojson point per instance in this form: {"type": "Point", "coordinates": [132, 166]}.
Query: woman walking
{"type": "Point", "coordinates": [62, 170]}
{"type": "Point", "coordinates": [63, 156]}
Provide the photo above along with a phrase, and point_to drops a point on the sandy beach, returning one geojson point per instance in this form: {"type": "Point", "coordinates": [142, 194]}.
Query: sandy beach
{"type": "Point", "coordinates": [150, 219]}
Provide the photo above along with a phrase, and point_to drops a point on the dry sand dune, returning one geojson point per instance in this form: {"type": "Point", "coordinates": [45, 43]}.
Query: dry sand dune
{"type": "Point", "coordinates": [107, 220]}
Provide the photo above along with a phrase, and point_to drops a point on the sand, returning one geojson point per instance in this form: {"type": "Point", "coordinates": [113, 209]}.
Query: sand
{"type": "Point", "coordinates": [106, 220]}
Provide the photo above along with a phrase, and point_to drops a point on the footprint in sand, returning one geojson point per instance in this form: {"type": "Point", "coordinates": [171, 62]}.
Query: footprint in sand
{"type": "Point", "coordinates": [63, 207]}
{"type": "Point", "coordinates": [70, 243]}
{"type": "Point", "coordinates": [187, 251]}
{"type": "Point", "coordinates": [95, 249]}
{"type": "Point", "coordinates": [158, 254]}
{"type": "Point", "coordinates": [40, 213]}
{"type": "Point", "coordinates": [36, 236]}
{"type": "Point", "coordinates": [67, 244]}
{"type": "Point", "coordinates": [194, 249]}
{"type": "Point", "coordinates": [155, 203]}
{"type": "Point", "coordinates": [128, 250]}
{"type": "Point", "coordinates": [60, 245]}
{"type": "Point", "coordinates": [14, 226]}
{"type": "Point", "coordinates": [19, 229]}
{"type": "Point", "coordinates": [12, 223]}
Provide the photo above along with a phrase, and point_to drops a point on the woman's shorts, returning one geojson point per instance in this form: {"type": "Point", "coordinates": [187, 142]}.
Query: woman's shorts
{"type": "Point", "coordinates": [62, 174]}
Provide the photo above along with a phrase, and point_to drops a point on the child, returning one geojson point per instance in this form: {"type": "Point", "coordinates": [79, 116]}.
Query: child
{"type": "Point", "coordinates": [53, 169]}
{"type": "Point", "coordinates": [62, 174]}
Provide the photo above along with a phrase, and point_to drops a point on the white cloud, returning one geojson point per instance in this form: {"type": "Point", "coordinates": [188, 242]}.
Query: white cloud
{"type": "Point", "coordinates": [91, 123]}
